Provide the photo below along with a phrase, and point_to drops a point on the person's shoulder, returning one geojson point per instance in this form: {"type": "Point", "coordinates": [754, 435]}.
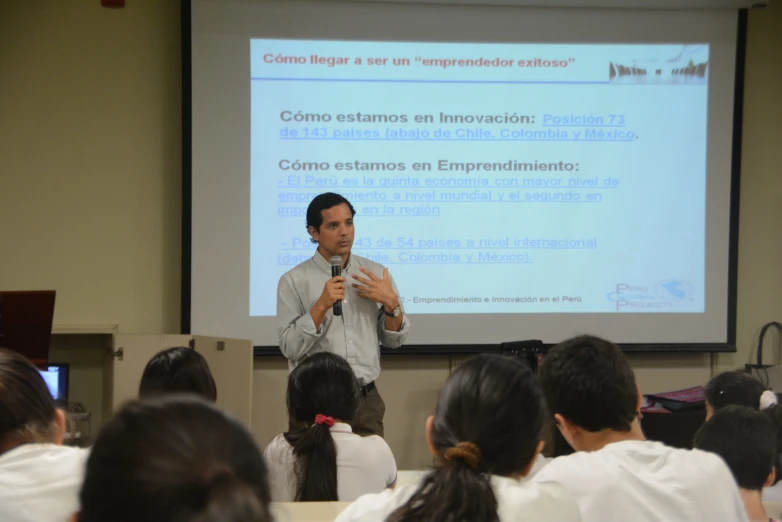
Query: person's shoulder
{"type": "Point", "coordinates": [76, 454]}
{"type": "Point", "coordinates": [377, 506]}
{"type": "Point", "coordinates": [52, 465]}
{"type": "Point", "coordinates": [297, 270]}
{"type": "Point", "coordinates": [540, 463]}
{"type": "Point", "coordinates": [278, 443]}
{"type": "Point", "coordinates": [554, 492]}
{"type": "Point", "coordinates": [71, 462]}
{"type": "Point", "coordinates": [691, 465]}
{"type": "Point", "coordinates": [707, 463]}
{"type": "Point", "coordinates": [374, 441]}
{"type": "Point", "coordinates": [549, 501]}
{"type": "Point", "coordinates": [567, 466]}
{"type": "Point", "coordinates": [374, 447]}
{"type": "Point", "coordinates": [279, 449]}
{"type": "Point", "coordinates": [578, 471]}
{"type": "Point", "coordinates": [47, 453]}
{"type": "Point", "coordinates": [705, 458]}
{"type": "Point", "coordinates": [708, 482]}
{"type": "Point", "coordinates": [773, 493]}
{"type": "Point", "coordinates": [694, 458]}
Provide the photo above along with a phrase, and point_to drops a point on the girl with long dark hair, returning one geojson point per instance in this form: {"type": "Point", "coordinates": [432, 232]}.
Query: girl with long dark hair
{"type": "Point", "coordinates": [485, 435]}
{"type": "Point", "coordinates": [320, 458]}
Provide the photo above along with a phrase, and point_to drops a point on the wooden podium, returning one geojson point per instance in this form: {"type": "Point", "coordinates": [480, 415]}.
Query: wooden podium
{"type": "Point", "coordinates": [26, 323]}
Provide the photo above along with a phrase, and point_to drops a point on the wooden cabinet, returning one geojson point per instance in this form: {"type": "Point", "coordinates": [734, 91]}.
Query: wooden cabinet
{"type": "Point", "coordinates": [106, 368]}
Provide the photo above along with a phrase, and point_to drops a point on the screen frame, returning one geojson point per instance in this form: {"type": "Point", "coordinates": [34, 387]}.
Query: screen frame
{"type": "Point", "coordinates": [468, 349]}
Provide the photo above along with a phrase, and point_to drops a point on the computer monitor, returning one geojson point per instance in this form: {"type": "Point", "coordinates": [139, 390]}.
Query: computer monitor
{"type": "Point", "coordinates": [56, 377]}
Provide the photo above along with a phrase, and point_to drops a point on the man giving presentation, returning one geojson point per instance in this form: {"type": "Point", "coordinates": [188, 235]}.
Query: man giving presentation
{"type": "Point", "coordinates": [371, 313]}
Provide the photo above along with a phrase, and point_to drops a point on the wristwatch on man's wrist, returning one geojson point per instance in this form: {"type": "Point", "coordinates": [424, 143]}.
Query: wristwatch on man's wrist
{"type": "Point", "coordinates": [396, 312]}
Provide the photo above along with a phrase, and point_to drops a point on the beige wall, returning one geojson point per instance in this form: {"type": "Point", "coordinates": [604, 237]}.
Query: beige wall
{"type": "Point", "coordinates": [90, 176]}
{"type": "Point", "coordinates": [90, 169]}
{"type": "Point", "coordinates": [760, 229]}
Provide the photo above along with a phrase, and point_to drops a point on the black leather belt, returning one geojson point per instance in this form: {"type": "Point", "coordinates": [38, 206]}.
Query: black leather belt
{"type": "Point", "coordinates": [368, 388]}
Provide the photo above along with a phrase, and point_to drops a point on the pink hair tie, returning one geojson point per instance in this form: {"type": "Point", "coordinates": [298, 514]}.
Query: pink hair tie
{"type": "Point", "coordinates": [322, 419]}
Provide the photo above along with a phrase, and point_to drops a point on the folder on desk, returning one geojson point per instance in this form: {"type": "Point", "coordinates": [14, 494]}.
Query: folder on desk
{"type": "Point", "coordinates": [681, 400]}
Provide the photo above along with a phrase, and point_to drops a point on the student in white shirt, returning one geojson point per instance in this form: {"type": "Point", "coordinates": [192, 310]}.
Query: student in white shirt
{"type": "Point", "coordinates": [615, 474]}
{"type": "Point", "coordinates": [737, 388]}
{"type": "Point", "coordinates": [485, 435]}
{"type": "Point", "coordinates": [177, 458]}
{"type": "Point", "coordinates": [320, 458]}
{"type": "Point", "coordinates": [39, 478]}
{"type": "Point", "coordinates": [773, 411]}
{"type": "Point", "coordinates": [747, 441]}
{"type": "Point", "coordinates": [555, 446]}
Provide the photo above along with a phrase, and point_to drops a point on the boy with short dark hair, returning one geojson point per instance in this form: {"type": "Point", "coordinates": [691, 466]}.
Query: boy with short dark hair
{"type": "Point", "coordinates": [747, 441]}
{"type": "Point", "coordinates": [616, 475]}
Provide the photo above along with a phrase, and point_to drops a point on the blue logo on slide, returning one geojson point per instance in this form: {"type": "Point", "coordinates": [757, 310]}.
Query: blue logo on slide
{"type": "Point", "coordinates": [674, 290]}
{"type": "Point", "coordinates": [665, 295]}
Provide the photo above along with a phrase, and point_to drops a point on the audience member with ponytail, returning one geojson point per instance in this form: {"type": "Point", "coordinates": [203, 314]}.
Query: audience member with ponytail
{"type": "Point", "coordinates": [734, 388]}
{"type": "Point", "coordinates": [320, 458]}
{"type": "Point", "coordinates": [39, 478]}
{"type": "Point", "coordinates": [485, 435]}
{"type": "Point", "coordinates": [176, 458]}
{"type": "Point", "coordinates": [737, 388]}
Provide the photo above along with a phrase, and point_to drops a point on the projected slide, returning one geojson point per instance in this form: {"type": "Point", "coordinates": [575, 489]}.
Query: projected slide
{"type": "Point", "coordinates": [488, 178]}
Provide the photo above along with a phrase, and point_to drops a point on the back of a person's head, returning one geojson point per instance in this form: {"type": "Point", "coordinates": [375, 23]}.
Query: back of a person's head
{"type": "Point", "coordinates": [588, 381]}
{"type": "Point", "coordinates": [745, 439]}
{"type": "Point", "coordinates": [737, 388]}
{"type": "Point", "coordinates": [323, 387]}
{"type": "Point", "coordinates": [176, 458]}
{"type": "Point", "coordinates": [323, 383]}
{"type": "Point", "coordinates": [774, 414]}
{"type": "Point", "coordinates": [733, 388]}
{"type": "Point", "coordinates": [488, 421]}
{"type": "Point", "coordinates": [27, 409]}
{"type": "Point", "coordinates": [177, 371]}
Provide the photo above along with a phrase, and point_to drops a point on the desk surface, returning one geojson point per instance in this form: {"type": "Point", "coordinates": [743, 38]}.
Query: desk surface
{"type": "Point", "coordinates": [307, 511]}
{"type": "Point", "coordinates": [328, 511]}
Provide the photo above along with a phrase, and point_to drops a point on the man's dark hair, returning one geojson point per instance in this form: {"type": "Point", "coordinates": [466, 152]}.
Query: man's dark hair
{"type": "Point", "coordinates": [323, 202]}
{"type": "Point", "coordinates": [745, 439]}
{"type": "Point", "coordinates": [734, 388]}
{"type": "Point", "coordinates": [176, 371]}
{"type": "Point", "coordinates": [588, 381]}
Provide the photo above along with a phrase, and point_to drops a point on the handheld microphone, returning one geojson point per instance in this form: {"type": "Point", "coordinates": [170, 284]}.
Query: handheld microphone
{"type": "Point", "coordinates": [336, 270]}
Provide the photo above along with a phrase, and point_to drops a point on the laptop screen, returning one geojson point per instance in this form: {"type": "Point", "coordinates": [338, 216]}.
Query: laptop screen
{"type": "Point", "coordinates": [56, 378]}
